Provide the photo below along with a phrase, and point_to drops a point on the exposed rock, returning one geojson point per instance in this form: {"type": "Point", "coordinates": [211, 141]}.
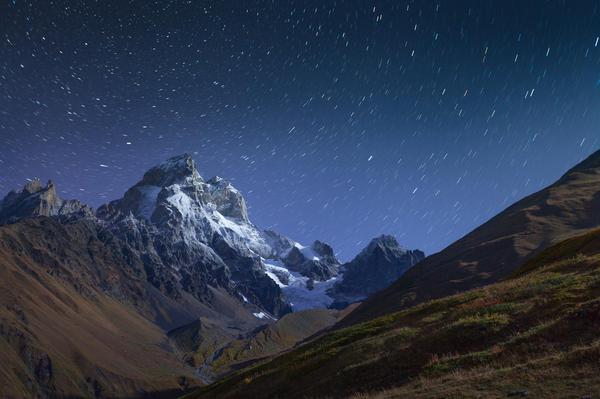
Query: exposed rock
{"type": "Point", "coordinates": [228, 199]}
{"type": "Point", "coordinates": [37, 200]}
{"type": "Point", "coordinates": [316, 262]}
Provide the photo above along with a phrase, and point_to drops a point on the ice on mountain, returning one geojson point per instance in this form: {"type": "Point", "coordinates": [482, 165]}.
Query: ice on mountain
{"type": "Point", "coordinates": [296, 291]}
{"type": "Point", "coordinates": [263, 315]}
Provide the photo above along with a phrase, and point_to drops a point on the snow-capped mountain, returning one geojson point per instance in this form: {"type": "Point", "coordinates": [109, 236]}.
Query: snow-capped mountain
{"type": "Point", "coordinates": [199, 234]}
{"type": "Point", "coordinates": [195, 238]}
{"type": "Point", "coordinates": [177, 200]}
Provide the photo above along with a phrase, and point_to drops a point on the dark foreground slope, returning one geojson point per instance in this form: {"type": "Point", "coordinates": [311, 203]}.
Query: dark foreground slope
{"type": "Point", "coordinates": [569, 207]}
{"type": "Point", "coordinates": [74, 319]}
{"type": "Point", "coordinates": [534, 334]}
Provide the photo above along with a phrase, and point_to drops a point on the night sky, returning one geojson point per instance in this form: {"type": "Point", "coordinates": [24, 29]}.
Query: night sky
{"type": "Point", "coordinates": [337, 120]}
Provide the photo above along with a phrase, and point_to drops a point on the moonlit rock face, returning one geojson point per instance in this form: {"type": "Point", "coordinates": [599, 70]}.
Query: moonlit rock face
{"type": "Point", "coordinates": [208, 219]}
{"type": "Point", "coordinates": [175, 197]}
{"type": "Point", "coordinates": [197, 226]}
{"type": "Point", "coordinates": [174, 170]}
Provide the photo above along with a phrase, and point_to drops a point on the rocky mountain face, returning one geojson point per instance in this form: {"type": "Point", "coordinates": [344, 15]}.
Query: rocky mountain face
{"type": "Point", "coordinates": [381, 263]}
{"type": "Point", "coordinates": [195, 234]}
{"type": "Point", "coordinates": [569, 207]}
{"type": "Point", "coordinates": [37, 200]}
{"type": "Point", "coordinates": [317, 262]}
{"type": "Point", "coordinates": [176, 250]}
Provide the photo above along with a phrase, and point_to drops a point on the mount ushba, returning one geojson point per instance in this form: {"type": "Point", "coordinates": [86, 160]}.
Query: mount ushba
{"type": "Point", "coordinates": [88, 297]}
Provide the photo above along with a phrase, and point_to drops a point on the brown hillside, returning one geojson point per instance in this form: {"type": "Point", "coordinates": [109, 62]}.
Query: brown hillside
{"type": "Point", "coordinates": [70, 321]}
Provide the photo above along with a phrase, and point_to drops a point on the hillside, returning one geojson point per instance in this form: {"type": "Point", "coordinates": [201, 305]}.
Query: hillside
{"type": "Point", "coordinates": [534, 334]}
{"type": "Point", "coordinates": [214, 354]}
{"type": "Point", "coordinates": [569, 207]}
{"type": "Point", "coordinates": [79, 319]}
{"type": "Point", "coordinates": [72, 320]}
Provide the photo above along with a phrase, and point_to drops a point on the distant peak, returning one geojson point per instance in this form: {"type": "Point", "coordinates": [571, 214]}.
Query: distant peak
{"type": "Point", "coordinates": [384, 240]}
{"type": "Point", "coordinates": [35, 186]}
{"type": "Point", "coordinates": [38, 200]}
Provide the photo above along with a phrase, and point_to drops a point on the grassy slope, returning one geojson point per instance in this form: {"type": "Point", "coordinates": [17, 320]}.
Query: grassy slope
{"type": "Point", "coordinates": [536, 332]}
{"type": "Point", "coordinates": [492, 251]}
{"type": "Point", "coordinates": [217, 354]}
{"type": "Point", "coordinates": [274, 338]}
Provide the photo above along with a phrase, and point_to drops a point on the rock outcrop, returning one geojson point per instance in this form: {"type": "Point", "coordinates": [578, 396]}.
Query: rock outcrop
{"type": "Point", "coordinates": [38, 200]}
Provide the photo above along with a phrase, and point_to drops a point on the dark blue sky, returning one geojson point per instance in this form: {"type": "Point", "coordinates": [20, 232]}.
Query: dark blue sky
{"type": "Point", "coordinates": [338, 120]}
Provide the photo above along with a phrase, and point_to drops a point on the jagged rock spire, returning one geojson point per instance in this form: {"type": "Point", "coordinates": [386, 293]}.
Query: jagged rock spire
{"type": "Point", "coordinates": [37, 200]}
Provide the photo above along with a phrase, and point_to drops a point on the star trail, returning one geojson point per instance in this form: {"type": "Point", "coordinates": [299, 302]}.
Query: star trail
{"type": "Point", "coordinates": [338, 120]}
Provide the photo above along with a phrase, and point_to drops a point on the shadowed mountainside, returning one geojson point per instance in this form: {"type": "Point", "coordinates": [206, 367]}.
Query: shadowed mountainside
{"type": "Point", "coordinates": [72, 318]}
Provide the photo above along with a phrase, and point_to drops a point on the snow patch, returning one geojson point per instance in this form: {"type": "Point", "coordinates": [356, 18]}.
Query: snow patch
{"type": "Point", "coordinates": [308, 252]}
{"type": "Point", "coordinates": [296, 292]}
{"type": "Point", "coordinates": [181, 202]}
{"type": "Point", "coordinates": [262, 315]}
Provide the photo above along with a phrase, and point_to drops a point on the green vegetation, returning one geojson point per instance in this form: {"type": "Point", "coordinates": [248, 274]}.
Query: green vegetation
{"type": "Point", "coordinates": [207, 346]}
{"type": "Point", "coordinates": [535, 334]}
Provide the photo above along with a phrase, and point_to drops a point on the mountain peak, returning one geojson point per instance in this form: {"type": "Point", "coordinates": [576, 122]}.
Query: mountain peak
{"type": "Point", "coordinates": [175, 184]}
{"type": "Point", "coordinates": [174, 170]}
{"type": "Point", "coordinates": [33, 186]}
{"type": "Point", "coordinates": [379, 264]}
{"type": "Point", "coordinates": [178, 162]}
{"type": "Point", "coordinates": [382, 241]}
